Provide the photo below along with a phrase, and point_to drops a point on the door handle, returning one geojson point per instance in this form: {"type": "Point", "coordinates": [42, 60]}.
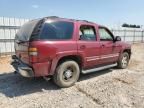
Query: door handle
{"type": "Point", "coordinates": [82, 47]}
{"type": "Point", "coordinates": [102, 45]}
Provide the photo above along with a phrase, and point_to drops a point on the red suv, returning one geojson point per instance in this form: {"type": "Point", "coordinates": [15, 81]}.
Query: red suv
{"type": "Point", "coordinates": [63, 48]}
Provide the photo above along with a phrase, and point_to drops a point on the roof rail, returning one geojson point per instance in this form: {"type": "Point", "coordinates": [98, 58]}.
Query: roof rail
{"type": "Point", "coordinates": [52, 17]}
{"type": "Point", "coordinates": [85, 21]}
{"type": "Point", "coordinates": [66, 18]}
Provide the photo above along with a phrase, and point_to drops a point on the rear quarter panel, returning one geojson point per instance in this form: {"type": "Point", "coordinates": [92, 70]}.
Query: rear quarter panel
{"type": "Point", "coordinates": [52, 51]}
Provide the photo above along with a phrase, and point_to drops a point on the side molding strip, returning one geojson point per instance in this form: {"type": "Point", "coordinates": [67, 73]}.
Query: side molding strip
{"type": "Point", "coordinates": [99, 68]}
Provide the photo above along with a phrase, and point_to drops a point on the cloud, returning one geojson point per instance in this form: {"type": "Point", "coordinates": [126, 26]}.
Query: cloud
{"type": "Point", "coordinates": [35, 6]}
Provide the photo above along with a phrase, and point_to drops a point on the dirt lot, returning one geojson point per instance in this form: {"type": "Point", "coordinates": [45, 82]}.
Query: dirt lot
{"type": "Point", "coordinates": [111, 88]}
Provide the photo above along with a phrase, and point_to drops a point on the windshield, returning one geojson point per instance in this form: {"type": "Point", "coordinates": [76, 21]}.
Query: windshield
{"type": "Point", "coordinates": [25, 31]}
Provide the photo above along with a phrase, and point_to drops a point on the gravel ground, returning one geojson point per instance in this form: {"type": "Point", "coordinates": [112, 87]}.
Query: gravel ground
{"type": "Point", "coordinates": [112, 88]}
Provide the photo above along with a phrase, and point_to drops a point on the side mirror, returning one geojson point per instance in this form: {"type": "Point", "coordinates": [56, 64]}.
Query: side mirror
{"type": "Point", "coordinates": [117, 38]}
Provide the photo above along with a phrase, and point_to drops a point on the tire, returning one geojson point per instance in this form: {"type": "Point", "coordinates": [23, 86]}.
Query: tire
{"type": "Point", "coordinates": [67, 73]}
{"type": "Point", "coordinates": [123, 61]}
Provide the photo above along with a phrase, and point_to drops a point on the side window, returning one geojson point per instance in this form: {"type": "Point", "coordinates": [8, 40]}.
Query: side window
{"type": "Point", "coordinates": [57, 30]}
{"type": "Point", "coordinates": [105, 35]}
{"type": "Point", "coordinates": [87, 33]}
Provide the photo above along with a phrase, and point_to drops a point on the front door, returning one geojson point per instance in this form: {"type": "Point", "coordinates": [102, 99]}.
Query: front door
{"type": "Point", "coordinates": [109, 50]}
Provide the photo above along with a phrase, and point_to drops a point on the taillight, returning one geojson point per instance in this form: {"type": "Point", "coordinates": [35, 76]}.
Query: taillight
{"type": "Point", "coordinates": [33, 53]}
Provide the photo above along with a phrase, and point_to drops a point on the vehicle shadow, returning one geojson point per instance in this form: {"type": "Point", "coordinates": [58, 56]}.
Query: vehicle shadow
{"type": "Point", "coordinates": [14, 85]}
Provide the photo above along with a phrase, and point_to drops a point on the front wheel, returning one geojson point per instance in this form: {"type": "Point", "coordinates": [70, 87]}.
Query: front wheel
{"type": "Point", "coordinates": [123, 61]}
{"type": "Point", "coordinates": [67, 73]}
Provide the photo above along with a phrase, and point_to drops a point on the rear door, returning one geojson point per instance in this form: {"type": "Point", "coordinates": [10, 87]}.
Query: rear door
{"type": "Point", "coordinates": [88, 45]}
{"type": "Point", "coordinates": [109, 51]}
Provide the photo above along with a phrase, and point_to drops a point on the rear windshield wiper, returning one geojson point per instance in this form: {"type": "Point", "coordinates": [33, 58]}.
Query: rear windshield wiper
{"type": "Point", "coordinates": [20, 41]}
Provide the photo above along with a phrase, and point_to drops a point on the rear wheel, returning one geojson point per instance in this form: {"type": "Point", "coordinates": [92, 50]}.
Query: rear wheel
{"type": "Point", "coordinates": [123, 61]}
{"type": "Point", "coordinates": [67, 73]}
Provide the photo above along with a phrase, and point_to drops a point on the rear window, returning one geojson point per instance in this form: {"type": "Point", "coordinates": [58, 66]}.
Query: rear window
{"type": "Point", "coordinates": [57, 30]}
{"type": "Point", "coordinates": [26, 30]}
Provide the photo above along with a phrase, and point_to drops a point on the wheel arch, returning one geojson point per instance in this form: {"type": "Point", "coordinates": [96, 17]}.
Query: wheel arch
{"type": "Point", "coordinates": [57, 61]}
{"type": "Point", "coordinates": [75, 58]}
{"type": "Point", "coordinates": [128, 51]}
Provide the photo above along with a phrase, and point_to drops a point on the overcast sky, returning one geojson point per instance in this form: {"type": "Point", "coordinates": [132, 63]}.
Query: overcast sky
{"type": "Point", "coordinates": [105, 12]}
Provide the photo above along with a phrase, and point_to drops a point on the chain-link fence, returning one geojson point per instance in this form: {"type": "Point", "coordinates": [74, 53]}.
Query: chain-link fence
{"type": "Point", "coordinates": [9, 27]}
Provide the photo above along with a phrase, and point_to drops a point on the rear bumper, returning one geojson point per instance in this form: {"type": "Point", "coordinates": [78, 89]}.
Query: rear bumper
{"type": "Point", "coordinates": [22, 68]}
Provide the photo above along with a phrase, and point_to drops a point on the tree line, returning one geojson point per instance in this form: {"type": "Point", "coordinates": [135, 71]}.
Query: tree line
{"type": "Point", "coordinates": [131, 25]}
